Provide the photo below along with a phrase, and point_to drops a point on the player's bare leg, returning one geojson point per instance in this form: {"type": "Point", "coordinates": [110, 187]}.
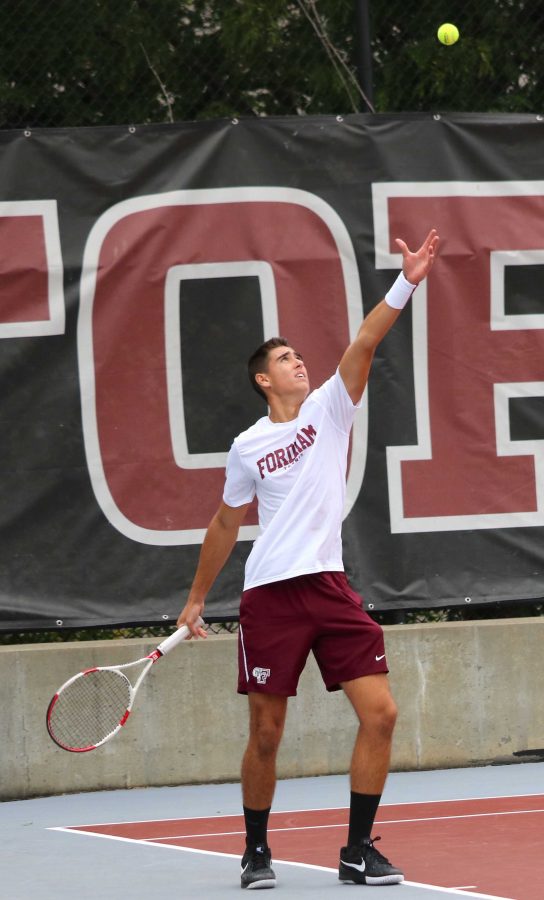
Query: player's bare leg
{"type": "Point", "coordinates": [376, 710]}
{"type": "Point", "coordinates": [266, 722]}
{"type": "Point", "coordinates": [377, 713]}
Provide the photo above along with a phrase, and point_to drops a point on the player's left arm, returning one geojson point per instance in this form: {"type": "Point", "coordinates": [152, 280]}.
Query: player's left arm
{"type": "Point", "coordinates": [355, 364]}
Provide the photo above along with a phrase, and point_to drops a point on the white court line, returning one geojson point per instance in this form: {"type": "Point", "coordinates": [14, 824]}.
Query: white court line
{"type": "Point", "coordinates": [429, 887]}
{"type": "Point", "coordinates": [284, 812]}
{"type": "Point", "coordinates": [513, 812]}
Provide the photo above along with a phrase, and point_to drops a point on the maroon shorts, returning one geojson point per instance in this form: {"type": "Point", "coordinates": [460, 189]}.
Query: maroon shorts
{"type": "Point", "coordinates": [281, 622]}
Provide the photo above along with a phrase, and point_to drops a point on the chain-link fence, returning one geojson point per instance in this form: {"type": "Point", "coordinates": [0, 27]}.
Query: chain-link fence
{"type": "Point", "coordinates": [92, 62]}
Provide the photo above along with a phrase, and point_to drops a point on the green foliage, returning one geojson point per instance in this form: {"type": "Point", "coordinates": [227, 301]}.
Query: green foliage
{"type": "Point", "coordinates": [494, 66]}
{"type": "Point", "coordinates": [112, 61]}
{"type": "Point", "coordinates": [464, 613]}
{"type": "Point", "coordinates": [120, 61]}
{"type": "Point", "coordinates": [83, 634]}
{"type": "Point", "coordinates": [153, 632]}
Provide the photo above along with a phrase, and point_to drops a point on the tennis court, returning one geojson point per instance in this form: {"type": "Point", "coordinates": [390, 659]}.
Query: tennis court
{"type": "Point", "coordinates": [474, 832]}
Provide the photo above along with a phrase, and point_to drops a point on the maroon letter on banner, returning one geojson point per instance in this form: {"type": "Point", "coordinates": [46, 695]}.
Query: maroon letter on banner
{"type": "Point", "coordinates": [465, 472]}
{"type": "Point", "coordinates": [143, 491]}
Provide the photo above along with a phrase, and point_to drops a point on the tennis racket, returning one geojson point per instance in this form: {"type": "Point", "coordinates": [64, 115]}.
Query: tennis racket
{"type": "Point", "coordinates": [92, 707]}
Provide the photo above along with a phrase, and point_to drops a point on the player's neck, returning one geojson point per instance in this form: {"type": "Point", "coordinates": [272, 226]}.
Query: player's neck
{"type": "Point", "coordinates": [283, 410]}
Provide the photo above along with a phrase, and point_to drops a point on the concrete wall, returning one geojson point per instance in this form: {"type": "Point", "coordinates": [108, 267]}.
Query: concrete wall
{"type": "Point", "coordinates": [468, 693]}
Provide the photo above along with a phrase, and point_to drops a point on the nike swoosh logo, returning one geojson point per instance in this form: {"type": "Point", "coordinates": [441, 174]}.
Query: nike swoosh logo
{"type": "Point", "coordinates": [380, 657]}
{"type": "Point", "coordinates": [359, 866]}
{"type": "Point", "coordinates": [243, 870]}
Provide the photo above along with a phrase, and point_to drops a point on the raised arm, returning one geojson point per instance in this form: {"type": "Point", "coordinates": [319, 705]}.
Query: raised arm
{"type": "Point", "coordinates": [355, 364]}
{"type": "Point", "coordinates": [216, 548]}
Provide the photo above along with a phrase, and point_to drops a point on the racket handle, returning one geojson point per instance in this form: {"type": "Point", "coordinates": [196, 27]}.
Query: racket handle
{"type": "Point", "coordinates": [176, 638]}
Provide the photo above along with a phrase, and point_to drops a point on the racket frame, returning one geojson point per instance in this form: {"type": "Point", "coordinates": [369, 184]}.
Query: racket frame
{"type": "Point", "coordinates": [181, 634]}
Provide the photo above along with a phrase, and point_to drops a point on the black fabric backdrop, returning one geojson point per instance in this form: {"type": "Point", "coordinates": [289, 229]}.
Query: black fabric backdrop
{"type": "Point", "coordinates": [64, 557]}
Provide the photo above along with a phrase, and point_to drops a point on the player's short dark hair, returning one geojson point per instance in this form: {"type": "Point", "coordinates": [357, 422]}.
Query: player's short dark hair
{"type": "Point", "coordinates": [258, 361]}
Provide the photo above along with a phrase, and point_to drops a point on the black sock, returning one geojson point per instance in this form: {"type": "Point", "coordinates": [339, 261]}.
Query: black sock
{"type": "Point", "coordinates": [362, 811]}
{"type": "Point", "coordinates": [256, 826]}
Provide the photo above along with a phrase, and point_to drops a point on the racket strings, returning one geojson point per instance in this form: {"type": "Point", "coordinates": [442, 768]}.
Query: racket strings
{"type": "Point", "coordinates": [90, 708]}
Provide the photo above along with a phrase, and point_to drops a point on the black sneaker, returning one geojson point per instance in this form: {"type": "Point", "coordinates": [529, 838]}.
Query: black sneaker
{"type": "Point", "coordinates": [363, 864]}
{"type": "Point", "coordinates": [256, 871]}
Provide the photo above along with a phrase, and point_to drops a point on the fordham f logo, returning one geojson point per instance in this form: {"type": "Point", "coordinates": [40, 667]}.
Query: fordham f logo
{"type": "Point", "coordinates": [261, 675]}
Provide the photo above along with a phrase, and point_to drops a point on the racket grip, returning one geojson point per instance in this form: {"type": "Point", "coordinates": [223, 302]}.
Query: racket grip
{"type": "Point", "coordinates": [176, 638]}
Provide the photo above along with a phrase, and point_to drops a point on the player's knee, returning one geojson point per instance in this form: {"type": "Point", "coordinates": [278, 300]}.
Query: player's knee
{"type": "Point", "coordinates": [386, 717]}
{"type": "Point", "coordinates": [266, 737]}
{"type": "Point", "coordinates": [380, 719]}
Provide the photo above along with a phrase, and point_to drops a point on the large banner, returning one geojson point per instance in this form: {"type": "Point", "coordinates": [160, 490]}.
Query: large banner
{"type": "Point", "coordinates": [139, 268]}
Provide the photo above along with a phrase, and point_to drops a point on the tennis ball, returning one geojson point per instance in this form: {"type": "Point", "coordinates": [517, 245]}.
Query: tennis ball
{"type": "Point", "coordinates": [448, 33]}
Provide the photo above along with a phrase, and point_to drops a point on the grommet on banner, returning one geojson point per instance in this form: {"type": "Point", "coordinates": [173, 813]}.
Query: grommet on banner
{"type": "Point", "coordinates": [131, 129]}
{"type": "Point", "coordinates": [165, 616]}
{"type": "Point", "coordinates": [437, 117]}
{"type": "Point", "coordinates": [339, 118]}
{"type": "Point", "coordinates": [59, 622]}
{"type": "Point", "coordinates": [27, 133]}
{"type": "Point", "coordinates": [468, 599]}
{"type": "Point", "coordinates": [371, 606]}
{"type": "Point", "coordinates": [540, 118]}
{"type": "Point", "coordinates": [234, 121]}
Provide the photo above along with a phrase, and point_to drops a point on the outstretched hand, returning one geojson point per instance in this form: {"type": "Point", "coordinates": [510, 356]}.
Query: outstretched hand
{"type": "Point", "coordinates": [416, 266]}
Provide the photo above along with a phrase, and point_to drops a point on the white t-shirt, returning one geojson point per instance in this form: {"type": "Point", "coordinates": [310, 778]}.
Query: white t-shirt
{"type": "Point", "coordinates": [298, 471]}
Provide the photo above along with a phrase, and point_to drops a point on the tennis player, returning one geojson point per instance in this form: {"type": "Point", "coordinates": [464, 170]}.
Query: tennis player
{"type": "Point", "coordinates": [296, 597]}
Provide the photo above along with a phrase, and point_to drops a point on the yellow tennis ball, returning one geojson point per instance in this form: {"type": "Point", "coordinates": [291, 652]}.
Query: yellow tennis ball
{"type": "Point", "coordinates": [448, 33]}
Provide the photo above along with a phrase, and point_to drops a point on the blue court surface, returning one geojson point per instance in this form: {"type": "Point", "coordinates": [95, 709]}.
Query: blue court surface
{"type": "Point", "coordinates": [475, 832]}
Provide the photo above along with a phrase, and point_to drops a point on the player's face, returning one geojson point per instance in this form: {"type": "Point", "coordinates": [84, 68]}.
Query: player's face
{"type": "Point", "coordinates": [286, 374]}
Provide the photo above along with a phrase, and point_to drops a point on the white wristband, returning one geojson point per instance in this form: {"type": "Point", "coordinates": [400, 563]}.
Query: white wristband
{"type": "Point", "coordinates": [399, 293]}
